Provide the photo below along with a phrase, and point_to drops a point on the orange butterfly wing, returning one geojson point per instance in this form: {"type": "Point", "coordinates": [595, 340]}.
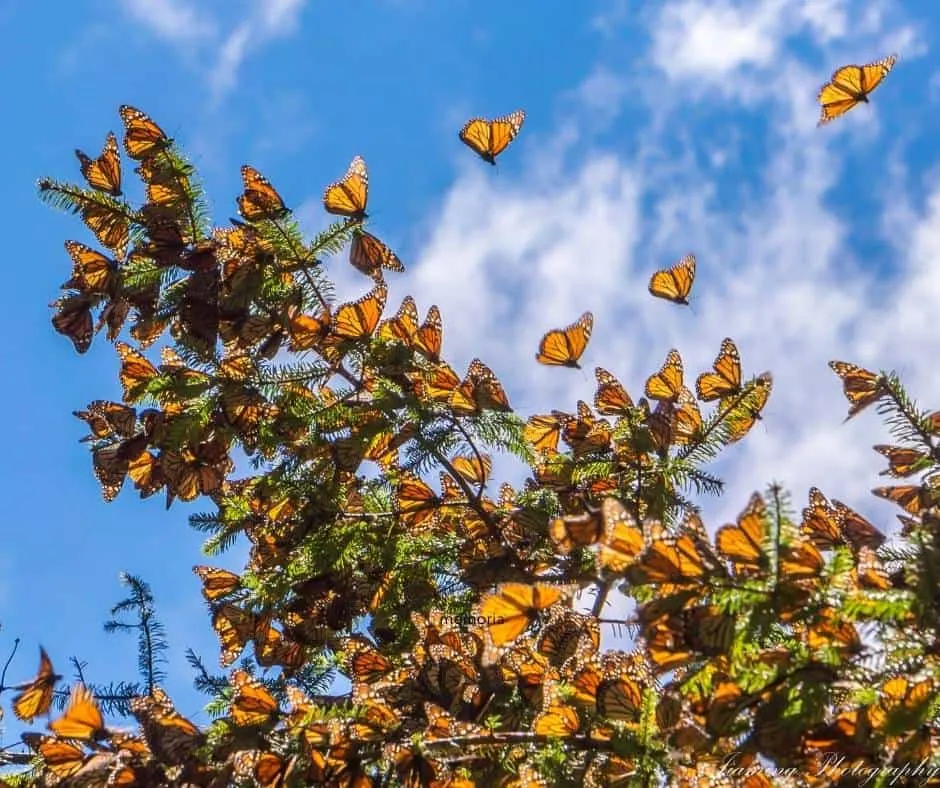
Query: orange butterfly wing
{"type": "Point", "coordinates": [563, 347]}
{"type": "Point", "coordinates": [143, 138]}
{"type": "Point", "coordinates": [850, 86]}
{"type": "Point", "coordinates": [489, 138]}
{"type": "Point", "coordinates": [104, 173]}
{"type": "Point", "coordinates": [349, 196]}
{"type": "Point", "coordinates": [726, 378]}
{"type": "Point", "coordinates": [675, 283]}
{"type": "Point", "coordinates": [667, 384]}
{"type": "Point", "coordinates": [260, 199]}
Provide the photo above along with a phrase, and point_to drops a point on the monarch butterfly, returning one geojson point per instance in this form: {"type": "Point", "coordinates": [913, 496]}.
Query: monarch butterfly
{"type": "Point", "coordinates": [308, 331]}
{"type": "Point", "coordinates": [556, 720]}
{"type": "Point", "coordinates": [107, 419]}
{"type": "Point", "coordinates": [611, 398]}
{"type": "Point", "coordinates": [480, 390]}
{"type": "Point", "coordinates": [364, 662]}
{"type": "Point", "coordinates": [168, 186]}
{"type": "Point", "coordinates": [623, 540]}
{"type": "Point", "coordinates": [568, 636]}
{"type": "Point", "coordinates": [860, 386]}
{"type": "Point", "coordinates": [850, 86]}
{"type": "Point", "coordinates": [217, 583]}
{"type": "Point", "coordinates": [620, 699]}
{"type": "Point", "coordinates": [104, 173]}
{"type": "Point", "coordinates": [73, 320]}
{"type": "Point", "coordinates": [82, 718]}
{"type": "Point", "coordinates": [359, 319]}
{"type": "Point", "coordinates": [563, 347]}
{"type": "Point", "coordinates": [675, 283]}
{"type": "Point", "coordinates": [169, 735]}
{"type": "Point", "coordinates": [370, 256]}
{"type": "Point", "coordinates": [581, 530]}
{"type": "Point", "coordinates": [742, 544]}
{"type": "Point", "coordinates": [514, 606]}
{"type": "Point", "coordinates": [667, 384]}
{"type": "Point", "coordinates": [686, 420]}
{"type": "Point", "coordinates": [489, 138]}
{"type": "Point", "coordinates": [35, 696]}
{"type": "Point", "coordinates": [109, 224]}
{"type": "Point", "coordinates": [543, 432]}
{"type": "Point", "coordinates": [911, 498]}
{"type": "Point", "coordinates": [92, 272]}
{"type": "Point", "coordinates": [902, 461]}
{"type": "Point", "coordinates": [474, 469]}
{"type": "Point", "coordinates": [725, 381]}
{"type": "Point", "coordinates": [749, 407]}
{"type": "Point", "coordinates": [427, 340]}
{"type": "Point", "coordinates": [136, 371]}
{"type": "Point", "coordinates": [856, 530]}
{"type": "Point", "coordinates": [190, 473]}
{"type": "Point", "coordinates": [260, 199]}
{"type": "Point", "coordinates": [252, 704]}
{"type": "Point", "coordinates": [143, 138]}
{"type": "Point", "coordinates": [417, 502]}
{"type": "Point", "coordinates": [235, 627]}
{"type": "Point", "coordinates": [349, 196]}
{"type": "Point", "coordinates": [63, 758]}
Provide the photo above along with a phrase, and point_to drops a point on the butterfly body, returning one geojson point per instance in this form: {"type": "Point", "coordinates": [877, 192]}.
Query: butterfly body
{"type": "Point", "coordinates": [489, 138]}
{"type": "Point", "coordinates": [850, 86]}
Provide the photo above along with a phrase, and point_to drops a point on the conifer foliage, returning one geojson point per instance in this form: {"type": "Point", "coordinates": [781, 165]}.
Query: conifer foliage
{"type": "Point", "coordinates": [791, 648]}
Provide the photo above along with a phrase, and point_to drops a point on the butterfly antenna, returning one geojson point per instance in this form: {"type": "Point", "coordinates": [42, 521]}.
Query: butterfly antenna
{"type": "Point", "coordinates": [692, 309]}
{"type": "Point", "coordinates": [3, 676]}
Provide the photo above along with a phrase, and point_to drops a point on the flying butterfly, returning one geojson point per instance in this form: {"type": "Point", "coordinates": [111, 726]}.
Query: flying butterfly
{"type": "Point", "coordinates": [349, 195]}
{"type": "Point", "coordinates": [82, 718]}
{"type": "Point", "coordinates": [104, 173]}
{"type": "Point", "coordinates": [860, 386]}
{"type": "Point", "coordinates": [489, 138]}
{"type": "Point", "coordinates": [675, 283]}
{"type": "Point", "coordinates": [35, 696]}
{"type": "Point", "coordinates": [370, 256]}
{"type": "Point", "coordinates": [850, 86]}
{"type": "Point", "coordinates": [563, 347]}
{"type": "Point", "coordinates": [260, 199]}
{"type": "Point", "coordinates": [725, 381]}
{"type": "Point", "coordinates": [143, 138]}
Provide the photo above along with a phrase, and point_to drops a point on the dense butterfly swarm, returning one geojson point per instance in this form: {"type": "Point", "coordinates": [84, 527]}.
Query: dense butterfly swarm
{"type": "Point", "coordinates": [790, 649]}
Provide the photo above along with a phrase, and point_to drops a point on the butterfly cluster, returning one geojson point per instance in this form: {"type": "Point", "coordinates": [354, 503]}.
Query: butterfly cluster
{"type": "Point", "coordinates": [466, 617]}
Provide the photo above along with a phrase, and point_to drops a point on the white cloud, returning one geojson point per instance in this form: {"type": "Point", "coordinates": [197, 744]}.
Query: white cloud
{"type": "Point", "coordinates": [186, 24]}
{"type": "Point", "coordinates": [173, 20]}
{"type": "Point", "coordinates": [269, 20]}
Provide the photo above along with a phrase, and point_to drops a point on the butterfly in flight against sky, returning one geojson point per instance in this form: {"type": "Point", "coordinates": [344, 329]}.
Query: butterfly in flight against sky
{"type": "Point", "coordinates": [675, 283]}
{"type": "Point", "coordinates": [563, 347]}
{"type": "Point", "coordinates": [850, 86]}
{"type": "Point", "coordinates": [489, 138]}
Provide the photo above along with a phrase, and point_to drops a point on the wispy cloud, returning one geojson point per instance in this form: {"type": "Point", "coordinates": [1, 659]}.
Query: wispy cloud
{"type": "Point", "coordinates": [175, 21]}
{"type": "Point", "coordinates": [186, 24]}
{"type": "Point", "coordinates": [267, 21]}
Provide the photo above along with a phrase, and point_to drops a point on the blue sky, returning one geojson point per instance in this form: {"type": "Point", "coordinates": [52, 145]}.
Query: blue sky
{"type": "Point", "coordinates": [653, 129]}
